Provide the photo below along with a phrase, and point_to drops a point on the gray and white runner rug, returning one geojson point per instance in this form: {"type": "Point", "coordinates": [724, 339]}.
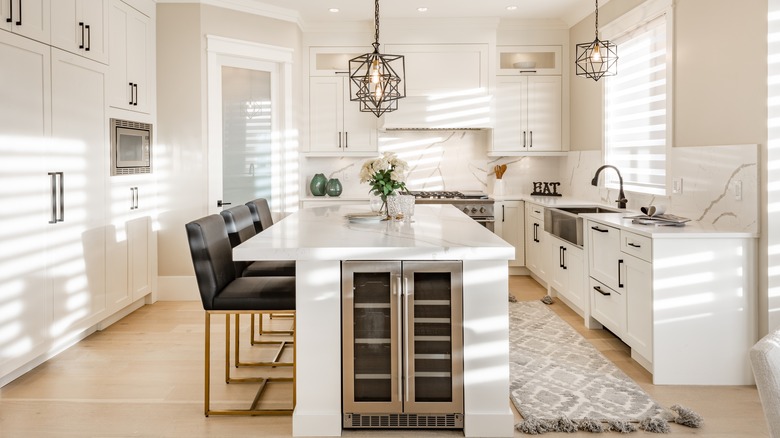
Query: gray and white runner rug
{"type": "Point", "coordinates": [560, 382]}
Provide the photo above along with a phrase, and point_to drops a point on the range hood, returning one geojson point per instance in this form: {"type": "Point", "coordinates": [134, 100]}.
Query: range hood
{"type": "Point", "coordinates": [446, 111]}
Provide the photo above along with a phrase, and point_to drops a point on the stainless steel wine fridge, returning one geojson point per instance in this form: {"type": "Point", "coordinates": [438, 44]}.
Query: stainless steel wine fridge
{"type": "Point", "coordinates": [402, 344]}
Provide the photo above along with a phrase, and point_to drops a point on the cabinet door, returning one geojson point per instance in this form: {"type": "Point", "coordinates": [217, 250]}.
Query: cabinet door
{"type": "Point", "coordinates": [537, 249]}
{"type": "Point", "coordinates": [559, 274]}
{"type": "Point", "coordinates": [129, 42]}
{"type": "Point", "coordinates": [574, 259]}
{"type": "Point", "coordinates": [326, 106]}
{"type": "Point", "coordinates": [28, 18]}
{"type": "Point", "coordinates": [138, 235]}
{"type": "Point", "coordinates": [371, 343]}
{"type": "Point", "coordinates": [510, 225]}
{"type": "Point", "coordinates": [433, 343]}
{"type": "Point", "coordinates": [510, 132]}
{"type": "Point", "coordinates": [359, 127]}
{"type": "Point", "coordinates": [25, 194]}
{"type": "Point", "coordinates": [604, 254]}
{"type": "Point", "coordinates": [639, 306]}
{"type": "Point", "coordinates": [79, 26]}
{"type": "Point", "coordinates": [77, 254]}
{"type": "Point", "coordinates": [544, 113]}
{"type": "Point", "coordinates": [608, 307]}
{"type": "Point", "coordinates": [435, 69]}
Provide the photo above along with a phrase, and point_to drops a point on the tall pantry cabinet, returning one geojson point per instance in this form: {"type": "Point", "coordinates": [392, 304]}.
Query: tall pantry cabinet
{"type": "Point", "coordinates": [55, 211]}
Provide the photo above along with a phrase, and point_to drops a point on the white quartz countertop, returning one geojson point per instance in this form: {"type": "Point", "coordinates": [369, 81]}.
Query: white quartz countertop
{"type": "Point", "coordinates": [436, 232]}
{"type": "Point", "coordinates": [692, 229]}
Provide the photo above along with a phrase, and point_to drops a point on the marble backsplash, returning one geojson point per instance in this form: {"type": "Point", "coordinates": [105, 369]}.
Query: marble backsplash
{"type": "Point", "coordinates": [457, 160]}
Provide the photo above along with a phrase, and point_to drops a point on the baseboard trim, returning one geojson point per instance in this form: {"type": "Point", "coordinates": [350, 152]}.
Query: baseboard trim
{"type": "Point", "coordinates": [493, 425]}
{"type": "Point", "coordinates": [177, 288]}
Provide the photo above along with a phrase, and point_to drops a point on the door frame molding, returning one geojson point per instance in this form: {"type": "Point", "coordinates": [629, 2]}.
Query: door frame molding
{"type": "Point", "coordinates": [226, 51]}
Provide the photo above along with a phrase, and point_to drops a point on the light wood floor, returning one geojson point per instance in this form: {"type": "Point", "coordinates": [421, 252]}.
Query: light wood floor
{"type": "Point", "coordinates": [143, 377]}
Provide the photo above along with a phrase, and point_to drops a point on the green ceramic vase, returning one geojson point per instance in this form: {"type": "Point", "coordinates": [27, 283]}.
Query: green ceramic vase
{"type": "Point", "coordinates": [333, 187]}
{"type": "Point", "coordinates": [317, 185]}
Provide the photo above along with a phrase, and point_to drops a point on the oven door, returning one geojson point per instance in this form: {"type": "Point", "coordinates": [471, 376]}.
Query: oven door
{"type": "Point", "coordinates": [488, 222]}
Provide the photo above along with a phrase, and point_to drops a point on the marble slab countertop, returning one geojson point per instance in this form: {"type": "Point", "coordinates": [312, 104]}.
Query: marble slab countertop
{"type": "Point", "coordinates": [436, 232]}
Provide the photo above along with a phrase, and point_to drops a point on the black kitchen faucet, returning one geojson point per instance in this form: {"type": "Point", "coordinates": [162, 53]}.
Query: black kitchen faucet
{"type": "Point", "coordinates": [621, 200]}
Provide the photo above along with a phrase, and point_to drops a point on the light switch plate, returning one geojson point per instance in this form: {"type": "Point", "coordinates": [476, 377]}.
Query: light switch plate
{"type": "Point", "coordinates": [677, 186]}
{"type": "Point", "coordinates": [738, 190]}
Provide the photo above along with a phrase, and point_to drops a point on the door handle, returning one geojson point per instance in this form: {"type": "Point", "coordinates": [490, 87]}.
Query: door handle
{"type": "Point", "coordinates": [632, 244]}
{"type": "Point", "coordinates": [131, 93]}
{"type": "Point", "coordinates": [560, 257]}
{"type": "Point", "coordinates": [89, 38]}
{"type": "Point", "coordinates": [10, 18]}
{"type": "Point", "coordinates": [399, 320]}
{"type": "Point", "coordinates": [620, 282]}
{"type": "Point", "coordinates": [135, 94]}
{"type": "Point", "coordinates": [220, 203]}
{"type": "Point", "coordinates": [524, 144]}
{"type": "Point", "coordinates": [81, 25]}
{"type": "Point", "coordinates": [599, 229]}
{"type": "Point", "coordinates": [346, 139]}
{"type": "Point", "coordinates": [19, 23]}
{"type": "Point", "coordinates": [407, 294]}
{"type": "Point", "coordinates": [563, 265]}
{"type": "Point", "coordinates": [339, 138]}
{"type": "Point", "coordinates": [53, 186]}
{"type": "Point", "coordinates": [503, 213]}
{"type": "Point", "coordinates": [598, 289]}
{"type": "Point", "coordinates": [532, 138]}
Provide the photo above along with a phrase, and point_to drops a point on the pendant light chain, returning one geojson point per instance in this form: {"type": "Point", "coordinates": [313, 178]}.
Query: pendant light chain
{"type": "Point", "coordinates": [376, 24]}
{"type": "Point", "coordinates": [597, 19]}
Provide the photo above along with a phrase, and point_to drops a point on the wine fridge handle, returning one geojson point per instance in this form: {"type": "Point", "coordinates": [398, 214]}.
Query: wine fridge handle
{"type": "Point", "coordinates": [398, 293]}
{"type": "Point", "coordinates": [407, 293]}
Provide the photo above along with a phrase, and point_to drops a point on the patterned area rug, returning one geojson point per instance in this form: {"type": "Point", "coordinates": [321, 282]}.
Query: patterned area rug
{"type": "Point", "coordinates": [556, 375]}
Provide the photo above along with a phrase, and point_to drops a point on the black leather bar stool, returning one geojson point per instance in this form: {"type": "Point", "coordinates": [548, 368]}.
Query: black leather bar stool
{"type": "Point", "coordinates": [222, 292]}
{"type": "Point", "coordinates": [262, 218]}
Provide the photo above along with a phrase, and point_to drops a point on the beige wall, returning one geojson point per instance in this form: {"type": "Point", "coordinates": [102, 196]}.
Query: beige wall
{"type": "Point", "coordinates": [719, 75]}
{"type": "Point", "coordinates": [182, 122]}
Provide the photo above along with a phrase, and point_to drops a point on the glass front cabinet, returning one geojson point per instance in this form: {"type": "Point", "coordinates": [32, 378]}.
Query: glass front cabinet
{"type": "Point", "coordinates": [402, 344]}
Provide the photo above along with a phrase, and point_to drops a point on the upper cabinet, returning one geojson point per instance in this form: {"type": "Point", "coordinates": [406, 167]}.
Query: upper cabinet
{"type": "Point", "coordinates": [130, 39]}
{"type": "Point", "coordinates": [336, 124]}
{"type": "Point", "coordinates": [436, 69]}
{"type": "Point", "coordinates": [28, 18]}
{"type": "Point", "coordinates": [79, 26]}
{"type": "Point", "coordinates": [528, 114]}
{"type": "Point", "coordinates": [525, 60]}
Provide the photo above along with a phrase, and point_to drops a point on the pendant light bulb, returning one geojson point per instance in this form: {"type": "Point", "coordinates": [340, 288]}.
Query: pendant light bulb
{"type": "Point", "coordinates": [375, 72]}
{"type": "Point", "coordinates": [378, 92]}
{"type": "Point", "coordinates": [596, 55]}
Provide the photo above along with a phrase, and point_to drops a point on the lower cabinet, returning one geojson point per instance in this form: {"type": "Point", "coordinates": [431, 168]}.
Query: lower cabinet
{"type": "Point", "coordinates": [567, 272]}
{"type": "Point", "coordinates": [638, 276]}
{"type": "Point", "coordinates": [510, 226]}
{"type": "Point", "coordinates": [608, 306]}
{"type": "Point", "coordinates": [537, 248]}
{"type": "Point", "coordinates": [402, 344]}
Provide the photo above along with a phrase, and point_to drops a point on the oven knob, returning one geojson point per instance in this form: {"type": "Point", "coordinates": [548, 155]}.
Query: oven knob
{"type": "Point", "coordinates": [482, 210]}
{"type": "Point", "coordinates": [466, 210]}
{"type": "Point", "coordinates": [473, 210]}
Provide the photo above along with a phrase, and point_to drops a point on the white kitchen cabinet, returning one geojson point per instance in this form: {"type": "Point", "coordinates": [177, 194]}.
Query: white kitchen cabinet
{"type": "Point", "coordinates": [525, 60]}
{"type": "Point", "coordinates": [608, 306]}
{"type": "Point", "coordinates": [130, 46]}
{"type": "Point", "coordinates": [604, 258]}
{"type": "Point", "coordinates": [80, 26]}
{"type": "Point", "coordinates": [567, 272]}
{"type": "Point", "coordinates": [528, 114]}
{"type": "Point", "coordinates": [435, 69]}
{"type": "Point", "coordinates": [29, 18]}
{"type": "Point", "coordinates": [25, 194]}
{"type": "Point", "coordinates": [510, 226]}
{"type": "Point", "coordinates": [639, 305]}
{"type": "Point", "coordinates": [336, 124]}
{"type": "Point", "coordinates": [537, 247]}
{"type": "Point", "coordinates": [128, 236]}
{"type": "Point", "coordinates": [76, 252]}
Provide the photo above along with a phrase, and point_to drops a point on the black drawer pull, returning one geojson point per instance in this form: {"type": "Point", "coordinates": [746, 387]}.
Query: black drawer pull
{"type": "Point", "coordinates": [634, 245]}
{"type": "Point", "coordinates": [620, 282]}
{"type": "Point", "coordinates": [599, 229]}
{"type": "Point", "coordinates": [598, 289]}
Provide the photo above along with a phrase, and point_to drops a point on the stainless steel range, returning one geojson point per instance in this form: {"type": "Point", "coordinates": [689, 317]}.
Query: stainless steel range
{"type": "Point", "coordinates": [475, 204]}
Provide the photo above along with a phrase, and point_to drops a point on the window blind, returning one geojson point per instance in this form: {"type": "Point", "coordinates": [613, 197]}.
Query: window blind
{"type": "Point", "coordinates": [636, 109]}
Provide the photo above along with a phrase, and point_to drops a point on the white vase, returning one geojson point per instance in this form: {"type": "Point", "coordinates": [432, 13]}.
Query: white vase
{"type": "Point", "coordinates": [498, 187]}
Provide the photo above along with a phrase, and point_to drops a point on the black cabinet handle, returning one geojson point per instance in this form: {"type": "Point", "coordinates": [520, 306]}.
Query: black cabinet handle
{"type": "Point", "coordinates": [346, 140]}
{"type": "Point", "coordinates": [10, 18]}
{"type": "Point", "coordinates": [220, 203]}
{"type": "Point", "coordinates": [135, 94]}
{"type": "Point", "coordinates": [131, 93]}
{"type": "Point", "coordinates": [524, 138]}
{"type": "Point", "coordinates": [564, 258]}
{"type": "Point", "coordinates": [620, 282]}
{"type": "Point", "coordinates": [598, 289]}
{"type": "Point", "coordinates": [81, 25]}
{"type": "Point", "coordinates": [532, 138]}
{"type": "Point", "coordinates": [339, 138]}
{"type": "Point", "coordinates": [599, 229]}
{"type": "Point", "coordinates": [560, 257]}
{"type": "Point", "coordinates": [53, 186]}
{"type": "Point", "coordinates": [503, 213]}
{"type": "Point", "coordinates": [634, 245]}
{"type": "Point", "coordinates": [89, 38]}
{"type": "Point", "coordinates": [19, 22]}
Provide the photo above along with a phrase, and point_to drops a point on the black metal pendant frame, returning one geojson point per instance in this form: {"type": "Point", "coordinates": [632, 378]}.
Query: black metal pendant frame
{"type": "Point", "coordinates": [603, 65]}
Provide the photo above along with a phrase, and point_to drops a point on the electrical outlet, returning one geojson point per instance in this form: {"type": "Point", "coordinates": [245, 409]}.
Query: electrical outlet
{"type": "Point", "coordinates": [677, 186]}
{"type": "Point", "coordinates": [738, 190]}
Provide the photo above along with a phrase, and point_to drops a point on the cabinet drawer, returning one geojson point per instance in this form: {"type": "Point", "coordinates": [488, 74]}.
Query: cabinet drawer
{"type": "Point", "coordinates": [535, 211]}
{"type": "Point", "coordinates": [636, 245]}
{"type": "Point", "coordinates": [608, 306]}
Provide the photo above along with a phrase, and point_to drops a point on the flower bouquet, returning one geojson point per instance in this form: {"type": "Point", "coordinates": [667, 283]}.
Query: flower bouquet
{"type": "Point", "coordinates": [385, 175]}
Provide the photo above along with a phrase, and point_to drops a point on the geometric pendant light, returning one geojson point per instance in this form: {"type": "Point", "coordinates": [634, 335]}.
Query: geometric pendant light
{"type": "Point", "coordinates": [598, 58]}
{"type": "Point", "coordinates": [377, 80]}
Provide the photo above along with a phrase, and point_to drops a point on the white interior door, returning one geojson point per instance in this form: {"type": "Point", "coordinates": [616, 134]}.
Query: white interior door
{"type": "Point", "coordinates": [248, 119]}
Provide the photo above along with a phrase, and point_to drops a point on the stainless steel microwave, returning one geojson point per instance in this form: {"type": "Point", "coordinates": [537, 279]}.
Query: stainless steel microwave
{"type": "Point", "coordinates": [131, 147]}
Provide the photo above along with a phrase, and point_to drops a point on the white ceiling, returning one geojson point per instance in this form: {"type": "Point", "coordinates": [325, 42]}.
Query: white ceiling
{"type": "Point", "coordinates": [316, 12]}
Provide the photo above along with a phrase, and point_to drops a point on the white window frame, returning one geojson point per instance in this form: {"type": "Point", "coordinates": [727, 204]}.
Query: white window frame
{"type": "Point", "coordinates": [628, 22]}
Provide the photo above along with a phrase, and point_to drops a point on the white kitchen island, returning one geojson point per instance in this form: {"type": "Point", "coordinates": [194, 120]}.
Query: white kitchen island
{"type": "Point", "coordinates": [320, 238]}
